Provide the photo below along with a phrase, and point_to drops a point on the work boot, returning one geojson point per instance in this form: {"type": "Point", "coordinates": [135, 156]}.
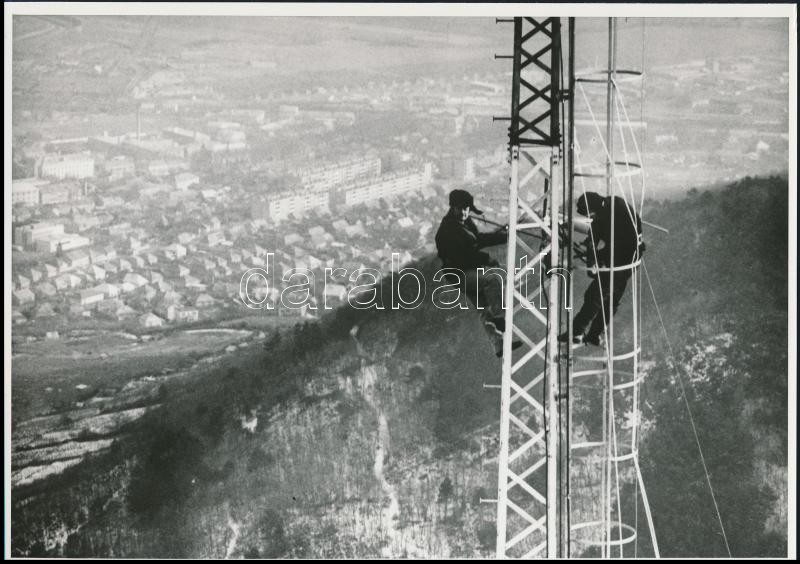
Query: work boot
{"type": "Point", "coordinates": [514, 346]}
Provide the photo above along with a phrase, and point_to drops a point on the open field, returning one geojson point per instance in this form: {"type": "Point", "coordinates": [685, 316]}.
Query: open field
{"type": "Point", "coordinates": [53, 375]}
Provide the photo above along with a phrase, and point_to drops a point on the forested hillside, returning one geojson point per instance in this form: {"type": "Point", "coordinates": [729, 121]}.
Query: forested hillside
{"type": "Point", "coordinates": [720, 278]}
{"type": "Point", "coordinates": [326, 445]}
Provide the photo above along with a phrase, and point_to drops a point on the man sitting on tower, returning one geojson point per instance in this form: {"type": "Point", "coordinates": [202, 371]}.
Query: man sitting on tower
{"type": "Point", "coordinates": [598, 302]}
{"type": "Point", "coordinates": [458, 242]}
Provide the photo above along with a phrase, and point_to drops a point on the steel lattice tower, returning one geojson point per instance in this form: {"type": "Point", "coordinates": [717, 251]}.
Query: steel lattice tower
{"type": "Point", "coordinates": [549, 476]}
{"type": "Point", "coordinates": [530, 416]}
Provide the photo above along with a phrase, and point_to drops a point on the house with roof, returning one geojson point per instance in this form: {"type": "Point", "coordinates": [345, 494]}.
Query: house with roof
{"type": "Point", "coordinates": [165, 286]}
{"type": "Point", "coordinates": [175, 251]}
{"type": "Point", "coordinates": [61, 282]}
{"type": "Point", "coordinates": [23, 296]}
{"type": "Point", "coordinates": [23, 281]}
{"type": "Point", "coordinates": [36, 275]}
{"type": "Point", "coordinates": [125, 265]}
{"type": "Point", "coordinates": [109, 290]}
{"type": "Point", "coordinates": [98, 273]}
{"type": "Point", "coordinates": [150, 320]}
{"type": "Point", "coordinates": [109, 267]}
{"type": "Point", "coordinates": [171, 298]}
{"type": "Point", "coordinates": [204, 301]}
{"type": "Point", "coordinates": [135, 278]}
{"type": "Point", "coordinates": [91, 296]}
{"type": "Point", "coordinates": [193, 283]}
{"type": "Point", "coordinates": [181, 314]}
{"type": "Point", "coordinates": [97, 255]}
{"type": "Point", "coordinates": [126, 287]}
{"type": "Point", "coordinates": [292, 239]}
{"type": "Point", "coordinates": [67, 281]}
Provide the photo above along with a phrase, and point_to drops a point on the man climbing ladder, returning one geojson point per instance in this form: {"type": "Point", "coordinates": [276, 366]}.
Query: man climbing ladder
{"type": "Point", "coordinates": [598, 302]}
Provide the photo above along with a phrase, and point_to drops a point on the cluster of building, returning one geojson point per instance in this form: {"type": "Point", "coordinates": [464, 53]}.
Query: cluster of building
{"type": "Point", "coordinates": [137, 276]}
{"type": "Point", "coordinates": [157, 228]}
{"type": "Point", "coordinates": [342, 184]}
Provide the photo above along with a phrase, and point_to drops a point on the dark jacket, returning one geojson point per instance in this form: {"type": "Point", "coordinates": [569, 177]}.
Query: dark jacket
{"type": "Point", "coordinates": [459, 244]}
{"type": "Point", "coordinates": [627, 233]}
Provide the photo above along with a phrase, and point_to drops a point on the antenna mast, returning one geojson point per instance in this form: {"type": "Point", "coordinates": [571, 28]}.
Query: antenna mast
{"type": "Point", "coordinates": [530, 475]}
{"type": "Point", "coordinates": [568, 421]}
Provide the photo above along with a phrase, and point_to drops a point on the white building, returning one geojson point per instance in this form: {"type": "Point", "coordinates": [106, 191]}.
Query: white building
{"type": "Point", "coordinates": [135, 279]}
{"type": "Point", "coordinates": [150, 320]}
{"type": "Point", "coordinates": [74, 165]}
{"type": "Point", "coordinates": [28, 234]}
{"type": "Point", "coordinates": [298, 203]}
{"type": "Point", "coordinates": [65, 242]}
{"type": "Point", "coordinates": [337, 173]}
{"type": "Point", "coordinates": [25, 191]}
{"type": "Point", "coordinates": [91, 296]}
{"type": "Point", "coordinates": [388, 186]}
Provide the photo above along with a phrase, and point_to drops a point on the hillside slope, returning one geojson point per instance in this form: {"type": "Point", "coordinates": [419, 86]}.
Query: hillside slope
{"type": "Point", "coordinates": [361, 435]}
